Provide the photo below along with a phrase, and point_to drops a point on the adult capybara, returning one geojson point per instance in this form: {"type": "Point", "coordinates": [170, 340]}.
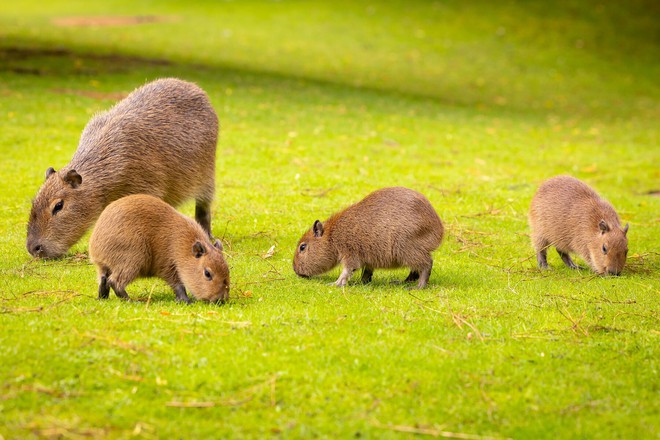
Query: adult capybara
{"type": "Point", "coordinates": [390, 228]}
{"type": "Point", "coordinates": [160, 140]}
{"type": "Point", "coordinates": [142, 236]}
{"type": "Point", "coordinates": [567, 214]}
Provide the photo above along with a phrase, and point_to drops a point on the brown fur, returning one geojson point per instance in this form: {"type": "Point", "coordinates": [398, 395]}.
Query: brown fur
{"type": "Point", "coordinates": [390, 228]}
{"type": "Point", "coordinates": [569, 215]}
{"type": "Point", "coordinates": [160, 140]}
{"type": "Point", "coordinates": [142, 236]}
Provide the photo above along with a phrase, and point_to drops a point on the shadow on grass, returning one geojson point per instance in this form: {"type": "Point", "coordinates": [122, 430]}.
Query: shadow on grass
{"type": "Point", "coordinates": [30, 59]}
{"type": "Point", "coordinates": [387, 281]}
{"type": "Point", "coordinates": [40, 61]}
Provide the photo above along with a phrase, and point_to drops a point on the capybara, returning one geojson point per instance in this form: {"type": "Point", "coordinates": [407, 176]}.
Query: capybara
{"type": "Point", "coordinates": [567, 214]}
{"type": "Point", "coordinates": [142, 236]}
{"type": "Point", "coordinates": [159, 140]}
{"type": "Point", "coordinates": [390, 228]}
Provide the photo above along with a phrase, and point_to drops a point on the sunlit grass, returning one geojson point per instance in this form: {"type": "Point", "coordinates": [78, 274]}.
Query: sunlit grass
{"type": "Point", "coordinates": [319, 105]}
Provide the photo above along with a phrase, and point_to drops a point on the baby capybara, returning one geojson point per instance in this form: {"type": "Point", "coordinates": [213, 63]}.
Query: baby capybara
{"type": "Point", "coordinates": [142, 236]}
{"type": "Point", "coordinates": [567, 214]}
{"type": "Point", "coordinates": [159, 140]}
{"type": "Point", "coordinates": [390, 228]}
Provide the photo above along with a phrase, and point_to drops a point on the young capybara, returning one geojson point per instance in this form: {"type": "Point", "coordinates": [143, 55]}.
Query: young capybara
{"type": "Point", "coordinates": [390, 228]}
{"type": "Point", "coordinates": [142, 236]}
{"type": "Point", "coordinates": [567, 214]}
{"type": "Point", "coordinates": [160, 140]}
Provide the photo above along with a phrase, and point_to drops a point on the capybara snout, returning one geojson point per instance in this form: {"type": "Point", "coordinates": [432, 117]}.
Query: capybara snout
{"type": "Point", "coordinates": [58, 218]}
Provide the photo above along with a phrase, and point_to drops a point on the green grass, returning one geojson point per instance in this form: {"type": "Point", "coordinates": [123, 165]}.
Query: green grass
{"type": "Point", "coordinates": [472, 104]}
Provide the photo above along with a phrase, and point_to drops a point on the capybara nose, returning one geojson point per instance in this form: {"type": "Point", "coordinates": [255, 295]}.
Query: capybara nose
{"type": "Point", "coordinates": [300, 274]}
{"type": "Point", "coordinates": [37, 250]}
{"type": "Point", "coordinates": [224, 296]}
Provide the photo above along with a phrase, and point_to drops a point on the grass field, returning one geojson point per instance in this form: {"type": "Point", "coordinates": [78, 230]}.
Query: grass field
{"type": "Point", "coordinates": [471, 103]}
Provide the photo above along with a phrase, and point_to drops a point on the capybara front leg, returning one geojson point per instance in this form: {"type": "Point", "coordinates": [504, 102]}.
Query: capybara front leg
{"type": "Point", "coordinates": [542, 258]}
{"type": "Point", "coordinates": [180, 292]}
{"type": "Point", "coordinates": [567, 260]}
{"type": "Point", "coordinates": [346, 274]}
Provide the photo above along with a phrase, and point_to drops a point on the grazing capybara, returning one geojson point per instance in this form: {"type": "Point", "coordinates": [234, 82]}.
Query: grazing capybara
{"type": "Point", "coordinates": [141, 236]}
{"type": "Point", "coordinates": [159, 140]}
{"type": "Point", "coordinates": [567, 214]}
{"type": "Point", "coordinates": [390, 228]}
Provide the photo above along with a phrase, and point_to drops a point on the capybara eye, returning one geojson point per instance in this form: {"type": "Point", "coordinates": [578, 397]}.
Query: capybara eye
{"type": "Point", "coordinates": [604, 249]}
{"type": "Point", "coordinates": [208, 275]}
{"type": "Point", "coordinates": [58, 207]}
{"type": "Point", "coordinates": [303, 247]}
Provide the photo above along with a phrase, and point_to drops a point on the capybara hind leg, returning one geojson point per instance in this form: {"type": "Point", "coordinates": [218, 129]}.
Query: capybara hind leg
{"type": "Point", "coordinates": [180, 292]}
{"type": "Point", "coordinates": [424, 274]}
{"type": "Point", "coordinates": [203, 215]}
{"type": "Point", "coordinates": [104, 289]}
{"type": "Point", "coordinates": [567, 260]}
{"type": "Point", "coordinates": [412, 277]}
{"type": "Point", "coordinates": [367, 274]}
{"type": "Point", "coordinates": [122, 278]}
{"type": "Point", "coordinates": [119, 291]}
{"type": "Point", "coordinates": [541, 247]}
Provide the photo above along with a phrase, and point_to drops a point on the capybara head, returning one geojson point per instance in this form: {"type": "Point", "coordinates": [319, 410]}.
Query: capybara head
{"type": "Point", "coordinates": [609, 251]}
{"type": "Point", "coordinates": [205, 273]}
{"type": "Point", "coordinates": [314, 254]}
{"type": "Point", "coordinates": [60, 214]}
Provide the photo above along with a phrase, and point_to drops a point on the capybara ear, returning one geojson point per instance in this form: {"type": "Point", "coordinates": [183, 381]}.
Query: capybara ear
{"type": "Point", "coordinates": [604, 227]}
{"type": "Point", "coordinates": [318, 229]}
{"type": "Point", "coordinates": [218, 244]}
{"type": "Point", "coordinates": [625, 230]}
{"type": "Point", "coordinates": [50, 171]}
{"type": "Point", "coordinates": [198, 249]}
{"type": "Point", "coordinates": [73, 178]}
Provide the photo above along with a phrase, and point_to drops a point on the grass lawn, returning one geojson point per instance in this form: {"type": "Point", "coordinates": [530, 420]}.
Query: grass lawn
{"type": "Point", "coordinates": [471, 103]}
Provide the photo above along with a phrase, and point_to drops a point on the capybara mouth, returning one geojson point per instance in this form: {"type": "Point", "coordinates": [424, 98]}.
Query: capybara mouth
{"type": "Point", "coordinates": [300, 274]}
{"type": "Point", "coordinates": [40, 251]}
{"type": "Point", "coordinates": [222, 298]}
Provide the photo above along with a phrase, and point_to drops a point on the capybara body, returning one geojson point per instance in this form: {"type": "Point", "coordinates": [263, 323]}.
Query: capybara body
{"type": "Point", "coordinates": [568, 214]}
{"type": "Point", "coordinates": [390, 228]}
{"type": "Point", "coordinates": [142, 236]}
{"type": "Point", "coordinates": [160, 140]}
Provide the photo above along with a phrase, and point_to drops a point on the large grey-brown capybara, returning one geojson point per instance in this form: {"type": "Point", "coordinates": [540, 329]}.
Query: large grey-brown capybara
{"type": "Point", "coordinates": [160, 140]}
